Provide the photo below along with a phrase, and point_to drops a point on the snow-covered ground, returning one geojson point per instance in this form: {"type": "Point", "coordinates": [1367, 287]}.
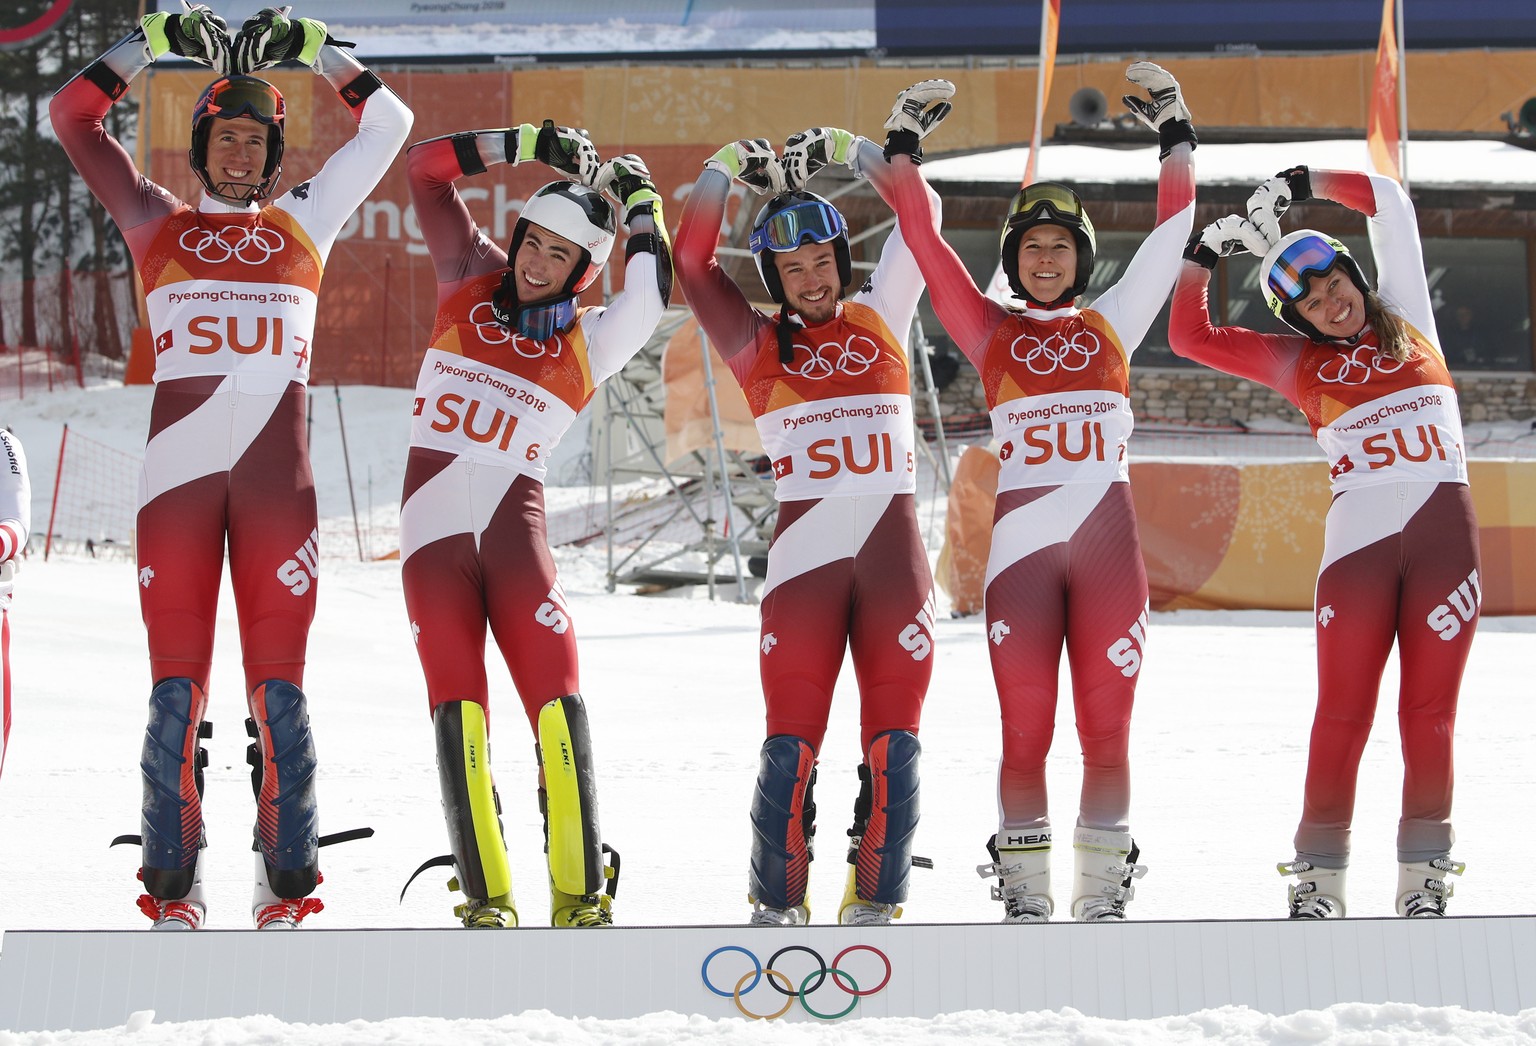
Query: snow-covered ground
{"type": "Point", "coordinates": [1218, 748]}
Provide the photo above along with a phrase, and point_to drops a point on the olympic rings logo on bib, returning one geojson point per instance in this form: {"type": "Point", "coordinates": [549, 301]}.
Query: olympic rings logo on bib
{"type": "Point", "coordinates": [250, 245]}
{"type": "Point", "coordinates": [1349, 368]}
{"type": "Point", "coordinates": [1056, 352]}
{"type": "Point", "coordinates": [782, 982]}
{"type": "Point", "coordinates": [849, 359]}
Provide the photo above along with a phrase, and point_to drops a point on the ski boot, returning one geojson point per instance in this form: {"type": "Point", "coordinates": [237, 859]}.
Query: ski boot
{"type": "Point", "coordinates": [283, 766]}
{"type": "Point", "coordinates": [583, 882]}
{"type": "Point", "coordinates": [880, 841]}
{"type": "Point", "coordinates": [783, 832]}
{"type": "Point", "coordinates": [271, 912]}
{"type": "Point", "coordinates": [473, 812]}
{"type": "Point", "coordinates": [1318, 893]}
{"type": "Point", "coordinates": [1105, 866]}
{"type": "Point", "coordinates": [1421, 887]}
{"type": "Point", "coordinates": [1023, 867]}
{"type": "Point", "coordinates": [185, 913]}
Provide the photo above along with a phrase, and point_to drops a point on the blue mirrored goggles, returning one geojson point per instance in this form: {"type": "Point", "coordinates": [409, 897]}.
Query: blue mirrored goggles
{"type": "Point", "coordinates": [791, 228]}
{"type": "Point", "coordinates": [1307, 257]}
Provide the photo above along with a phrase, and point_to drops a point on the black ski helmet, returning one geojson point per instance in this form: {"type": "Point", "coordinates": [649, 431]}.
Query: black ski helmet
{"type": "Point", "coordinates": [1048, 203]}
{"type": "Point", "coordinates": [229, 98]}
{"type": "Point", "coordinates": [788, 222]}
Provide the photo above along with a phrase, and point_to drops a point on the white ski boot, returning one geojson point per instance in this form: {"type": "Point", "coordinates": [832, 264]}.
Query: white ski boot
{"type": "Point", "coordinates": [1422, 889]}
{"type": "Point", "coordinates": [186, 913]}
{"type": "Point", "coordinates": [1022, 863]}
{"type": "Point", "coordinates": [271, 912]}
{"type": "Point", "coordinates": [799, 915]}
{"type": "Point", "coordinates": [1105, 865]}
{"type": "Point", "coordinates": [1318, 893]}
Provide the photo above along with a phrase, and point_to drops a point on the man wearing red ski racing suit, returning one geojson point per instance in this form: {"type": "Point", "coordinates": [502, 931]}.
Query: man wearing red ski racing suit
{"type": "Point", "coordinates": [828, 383]}
{"type": "Point", "coordinates": [15, 523]}
{"type": "Point", "coordinates": [513, 359]}
{"type": "Point", "coordinates": [1400, 547]}
{"type": "Point", "coordinates": [1065, 565]}
{"type": "Point", "coordinates": [231, 287]}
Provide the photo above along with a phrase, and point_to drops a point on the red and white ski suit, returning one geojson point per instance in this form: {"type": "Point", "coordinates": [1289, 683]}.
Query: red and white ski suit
{"type": "Point", "coordinates": [1065, 566]}
{"type": "Point", "coordinates": [1400, 548]}
{"type": "Point", "coordinates": [847, 568]}
{"type": "Point", "coordinates": [232, 293]}
{"type": "Point", "coordinates": [15, 524]}
{"type": "Point", "coordinates": [491, 404]}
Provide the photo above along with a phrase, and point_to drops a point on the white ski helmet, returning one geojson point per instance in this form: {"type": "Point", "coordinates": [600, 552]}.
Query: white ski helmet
{"type": "Point", "coordinates": [1286, 272]}
{"type": "Point", "coordinates": [579, 214]}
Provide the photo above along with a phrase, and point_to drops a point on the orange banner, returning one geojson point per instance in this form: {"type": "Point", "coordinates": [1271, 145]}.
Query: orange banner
{"type": "Point", "coordinates": [1382, 133]}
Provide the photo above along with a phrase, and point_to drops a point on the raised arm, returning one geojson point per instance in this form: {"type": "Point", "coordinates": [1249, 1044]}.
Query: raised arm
{"type": "Point", "coordinates": [15, 498]}
{"type": "Point", "coordinates": [79, 107]}
{"type": "Point", "coordinates": [623, 328]}
{"type": "Point", "coordinates": [325, 202]}
{"type": "Point", "coordinates": [1270, 359]}
{"type": "Point", "coordinates": [724, 311]}
{"type": "Point", "coordinates": [1133, 303]}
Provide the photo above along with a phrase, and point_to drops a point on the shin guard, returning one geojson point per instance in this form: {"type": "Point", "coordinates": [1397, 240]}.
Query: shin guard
{"type": "Point", "coordinates": [283, 766]}
{"type": "Point", "coordinates": [172, 768]}
{"type": "Point", "coordinates": [574, 843]}
{"type": "Point", "coordinates": [470, 804]}
{"type": "Point", "coordinates": [883, 862]}
{"type": "Point", "coordinates": [783, 822]}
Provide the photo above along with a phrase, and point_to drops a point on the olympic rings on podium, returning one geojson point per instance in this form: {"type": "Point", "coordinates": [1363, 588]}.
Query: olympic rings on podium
{"type": "Point", "coordinates": [781, 983]}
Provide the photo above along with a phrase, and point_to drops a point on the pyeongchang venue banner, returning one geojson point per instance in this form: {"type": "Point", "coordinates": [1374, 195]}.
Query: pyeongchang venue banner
{"type": "Point", "coordinates": [613, 29]}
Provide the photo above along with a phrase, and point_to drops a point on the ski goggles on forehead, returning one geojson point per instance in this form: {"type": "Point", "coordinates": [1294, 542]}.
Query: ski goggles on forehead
{"type": "Point", "coordinates": [1058, 200]}
{"type": "Point", "coordinates": [1307, 257]}
{"type": "Point", "coordinates": [792, 227]}
{"type": "Point", "coordinates": [234, 99]}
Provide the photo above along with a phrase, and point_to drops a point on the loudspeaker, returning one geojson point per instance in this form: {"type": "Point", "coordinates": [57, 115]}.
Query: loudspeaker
{"type": "Point", "coordinates": [1088, 106]}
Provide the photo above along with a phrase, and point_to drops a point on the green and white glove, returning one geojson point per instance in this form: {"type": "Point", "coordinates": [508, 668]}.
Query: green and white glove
{"type": "Point", "coordinates": [750, 161]}
{"type": "Point", "coordinates": [567, 149]}
{"type": "Point", "coordinates": [629, 180]}
{"type": "Point", "coordinates": [198, 35]}
{"type": "Point", "coordinates": [812, 149]}
{"type": "Point", "coordinates": [918, 110]}
{"type": "Point", "coordinates": [270, 38]}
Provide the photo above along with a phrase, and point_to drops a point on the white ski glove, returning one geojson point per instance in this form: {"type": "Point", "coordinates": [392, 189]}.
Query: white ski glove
{"type": "Point", "coordinates": [199, 35]}
{"type": "Point", "coordinates": [1233, 234]}
{"type": "Point", "coordinates": [1274, 197]}
{"type": "Point", "coordinates": [918, 110]}
{"type": "Point", "coordinates": [750, 161]}
{"type": "Point", "coordinates": [1165, 111]}
{"type": "Point", "coordinates": [812, 149]}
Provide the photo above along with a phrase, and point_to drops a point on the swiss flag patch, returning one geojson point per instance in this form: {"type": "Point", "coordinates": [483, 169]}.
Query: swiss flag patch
{"type": "Point", "coordinates": [1006, 451]}
{"type": "Point", "coordinates": [783, 467]}
{"type": "Point", "coordinates": [417, 408]}
{"type": "Point", "coordinates": [163, 342]}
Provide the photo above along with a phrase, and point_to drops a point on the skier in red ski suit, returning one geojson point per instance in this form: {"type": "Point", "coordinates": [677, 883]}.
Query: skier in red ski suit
{"type": "Point", "coordinates": [1400, 548]}
{"type": "Point", "coordinates": [15, 524]}
{"type": "Point", "coordinates": [828, 382]}
{"type": "Point", "coordinates": [1065, 569]}
{"type": "Point", "coordinates": [513, 358]}
{"type": "Point", "coordinates": [231, 283]}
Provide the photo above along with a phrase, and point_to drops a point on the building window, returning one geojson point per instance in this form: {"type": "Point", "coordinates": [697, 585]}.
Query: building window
{"type": "Point", "coordinates": [1480, 290]}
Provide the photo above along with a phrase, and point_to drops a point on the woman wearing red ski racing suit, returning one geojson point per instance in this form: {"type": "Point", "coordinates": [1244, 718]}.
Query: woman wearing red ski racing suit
{"type": "Point", "coordinates": [231, 289]}
{"type": "Point", "coordinates": [1065, 566]}
{"type": "Point", "coordinates": [847, 567]}
{"type": "Point", "coordinates": [494, 396]}
{"type": "Point", "coordinates": [1400, 547]}
{"type": "Point", "coordinates": [15, 523]}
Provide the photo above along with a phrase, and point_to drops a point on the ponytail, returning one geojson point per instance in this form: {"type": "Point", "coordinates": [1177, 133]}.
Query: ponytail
{"type": "Point", "coordinates": [1392, 336]}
